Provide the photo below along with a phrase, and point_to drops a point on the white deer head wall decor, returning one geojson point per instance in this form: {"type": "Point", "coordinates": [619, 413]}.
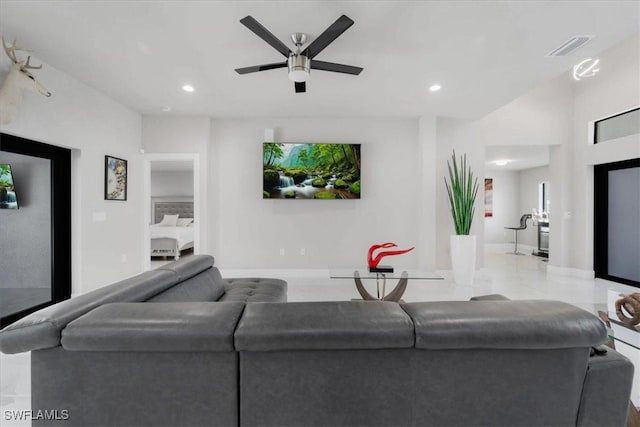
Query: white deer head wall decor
{"type": "Point", "coordinates": [19, 78]}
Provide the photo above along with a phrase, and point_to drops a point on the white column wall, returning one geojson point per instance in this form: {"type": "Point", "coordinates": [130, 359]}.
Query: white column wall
{"type": "Point", "coordinates": [427, 223]}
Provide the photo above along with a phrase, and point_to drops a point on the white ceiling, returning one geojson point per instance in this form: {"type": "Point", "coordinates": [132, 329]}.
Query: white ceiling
{"type": "Point", "coordinates": [519, 157]}
{"type": "Point", "coordinates": [483, 53]}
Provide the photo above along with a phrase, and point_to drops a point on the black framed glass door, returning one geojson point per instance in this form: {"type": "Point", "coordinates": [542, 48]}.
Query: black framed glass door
{"type": "Point", "coordinates": [35, 226]}
{"type": "Point", "coordinates": [617, 221]}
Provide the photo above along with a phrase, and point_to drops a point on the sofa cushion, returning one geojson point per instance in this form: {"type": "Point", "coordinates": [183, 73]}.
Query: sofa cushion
{"type": "Point", "coordinates": [194, 326]}
{"type": "Point", "coordinates": [42, 329]}
{"type": "Point", "coordinates": [504, 325]}
{"type": "Point", "coordinates": [206, 286]}
{"type": "Point", "coordinates": [323, 326]}
{"type": "Point", "coordinates": [255, 290]}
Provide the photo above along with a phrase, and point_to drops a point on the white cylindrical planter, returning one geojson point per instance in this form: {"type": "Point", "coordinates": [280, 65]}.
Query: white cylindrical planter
{"type": "Point", "coordinates": [463, 258]}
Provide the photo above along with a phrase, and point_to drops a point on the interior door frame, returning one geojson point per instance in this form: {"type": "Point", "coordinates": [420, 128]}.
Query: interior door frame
{"type": "Point", "coordinates": [60, 159]}
{"type": "Point", "coordinates": [601, 218]}
{"type": "Point", "coordinates": [197, 217]}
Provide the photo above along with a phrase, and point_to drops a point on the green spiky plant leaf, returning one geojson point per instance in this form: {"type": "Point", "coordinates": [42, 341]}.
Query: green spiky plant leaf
{"type": "Point", "coordinates": [462, 189]}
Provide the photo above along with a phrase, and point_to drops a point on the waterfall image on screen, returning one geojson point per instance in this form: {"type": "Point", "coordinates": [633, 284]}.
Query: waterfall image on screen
{"type": "Point", "coordinates": [310, 171]}
{"type": "Point", "coordinates": [8, 198]}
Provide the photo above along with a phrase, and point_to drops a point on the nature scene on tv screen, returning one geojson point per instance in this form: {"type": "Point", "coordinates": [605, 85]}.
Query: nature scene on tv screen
{"type": "Point", "coordinates": [311, 171]}
{"type": "Point", "coordinates": [8, 198]}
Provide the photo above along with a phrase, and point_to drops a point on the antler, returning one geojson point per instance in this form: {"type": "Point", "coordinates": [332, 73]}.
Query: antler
{"type": "Point", "coordinates": [28, 66]}
{"type": "Point", "coordinates": [10, 50]}
{"type": "Point", "coordinates": [11, 53]}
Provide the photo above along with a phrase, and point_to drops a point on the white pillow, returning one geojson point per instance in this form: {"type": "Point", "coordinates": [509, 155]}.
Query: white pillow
{"type": "Point", "coordinates": [183, 222]}
{"type": "Point", "coordinates": [169, 221]}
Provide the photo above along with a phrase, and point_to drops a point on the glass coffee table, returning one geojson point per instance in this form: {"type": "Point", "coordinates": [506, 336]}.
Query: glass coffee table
{"type": "Point", "coordinates": [401, 275]}
{"type": "Point", "coordinates": [619, 332]}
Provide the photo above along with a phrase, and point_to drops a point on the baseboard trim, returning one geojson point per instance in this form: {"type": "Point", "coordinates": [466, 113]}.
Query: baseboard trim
{"type": "Point", "coordinates": [571, 272]}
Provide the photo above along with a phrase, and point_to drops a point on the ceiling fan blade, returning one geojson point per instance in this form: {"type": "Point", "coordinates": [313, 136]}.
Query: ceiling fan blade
{"type": "Point", "coordinates": [264, 34]}
{"type": "Point", "coordinates": [328, 36]}
{"type": "Point", "coordinates": [301, 87]}
{"type": "Point", "coordinates": [264, 67]}
{"type": "Point", "coordinates": [338, 68]}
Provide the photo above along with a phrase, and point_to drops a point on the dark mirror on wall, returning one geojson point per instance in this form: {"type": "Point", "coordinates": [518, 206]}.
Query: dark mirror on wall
{"type": "Point", "coordinates": [35, 225]}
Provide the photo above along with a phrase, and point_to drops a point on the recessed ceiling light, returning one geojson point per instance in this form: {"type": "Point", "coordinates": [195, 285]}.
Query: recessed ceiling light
{"type": "Point", "coordinates": [188, 88]}
{"type": "Point", "coordinates": [501, 162]}
{"type": "Point", "coordinates": [166, 109]}
{"type": "Point", "coordinates": [435, 88]}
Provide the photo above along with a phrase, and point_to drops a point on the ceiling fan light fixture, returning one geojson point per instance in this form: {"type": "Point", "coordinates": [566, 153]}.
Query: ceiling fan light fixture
{"type": "Point", "coordinates": [299, 68]}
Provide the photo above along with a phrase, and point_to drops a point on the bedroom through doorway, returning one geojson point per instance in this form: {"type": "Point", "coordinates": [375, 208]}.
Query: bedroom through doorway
{"type": "Point", "coordinates": [172, 227]}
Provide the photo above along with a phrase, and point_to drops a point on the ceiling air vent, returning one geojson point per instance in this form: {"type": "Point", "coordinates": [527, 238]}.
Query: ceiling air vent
{"type": "Point", "coordinates": [569, 46]}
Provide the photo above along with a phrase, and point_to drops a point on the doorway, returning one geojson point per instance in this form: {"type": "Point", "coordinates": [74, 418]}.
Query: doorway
{"type": "Point", "coordinates": [171, 197]}
{"type": "Point", "coordinates": [519, 184]}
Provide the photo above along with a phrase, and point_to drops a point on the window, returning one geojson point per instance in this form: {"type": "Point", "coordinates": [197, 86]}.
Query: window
{"type": "Point", "coordinates": [618, 126]}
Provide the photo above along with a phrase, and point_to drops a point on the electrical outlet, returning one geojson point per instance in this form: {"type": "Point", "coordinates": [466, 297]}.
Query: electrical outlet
{"type": "Point", "coordinates": [123, 258]}
{"type": "Point", "coordinates": [303, 251]}
{"type": "Point", "coordinates": [281, 251]}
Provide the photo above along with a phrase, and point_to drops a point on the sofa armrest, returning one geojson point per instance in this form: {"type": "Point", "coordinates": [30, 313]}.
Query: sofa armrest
{"type": "Point", "coordinates": [42, 329]}
{"type": "Point", "coordinates": [606, 390]}
{"type": "Point", "coordinates": [177, 327]}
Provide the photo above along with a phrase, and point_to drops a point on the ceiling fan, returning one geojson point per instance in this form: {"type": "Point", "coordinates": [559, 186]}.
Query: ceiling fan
{"type": "Point", "coordinates": [300, 62]}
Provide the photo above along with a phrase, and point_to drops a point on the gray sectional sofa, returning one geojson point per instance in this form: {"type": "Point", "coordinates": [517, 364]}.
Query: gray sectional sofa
{"type": "Point", "coordinates": [180, 346]}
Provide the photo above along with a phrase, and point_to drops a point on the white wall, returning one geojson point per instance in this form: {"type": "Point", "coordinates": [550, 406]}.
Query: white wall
{"type": "Point", "coordinates": [528, 199]}
{"type": "Point", "coordinates": [81, 118]}
{"type": "Point", "coordinates": [505, 206]}
{"type": "Point", "coordinates": [249, 231]}
{"type": "Point", "coordinates": [172, 183]}
{"type": "Point", "coordinates": [245, 231]}
{"type": "Point", "coordinates": [616, 89]}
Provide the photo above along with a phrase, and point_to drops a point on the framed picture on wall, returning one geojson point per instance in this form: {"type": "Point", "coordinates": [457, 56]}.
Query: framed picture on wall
{"type": "Point", "coordinates": [488, 197]}
{"type": "Point", "coordinates": [115, 178]}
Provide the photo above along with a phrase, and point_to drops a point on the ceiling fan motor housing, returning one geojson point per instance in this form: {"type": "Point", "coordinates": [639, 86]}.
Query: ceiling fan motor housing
{"type": "Point", "coordinates": [299, 67]}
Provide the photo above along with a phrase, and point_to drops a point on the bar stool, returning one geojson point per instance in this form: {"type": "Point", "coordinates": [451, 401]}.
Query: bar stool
{"type": "Point", "coordinates": [523, 225]}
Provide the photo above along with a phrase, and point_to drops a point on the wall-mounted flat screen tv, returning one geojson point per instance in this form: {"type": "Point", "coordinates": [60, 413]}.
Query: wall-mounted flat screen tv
{"type": "Point", "coordinates": [8, 199]}
{"type": "Point", "coordinates": [310, 171]}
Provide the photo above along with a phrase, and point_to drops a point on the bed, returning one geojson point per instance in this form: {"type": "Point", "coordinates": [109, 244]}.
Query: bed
{"type": "Point", "coordinates": [171, 240]}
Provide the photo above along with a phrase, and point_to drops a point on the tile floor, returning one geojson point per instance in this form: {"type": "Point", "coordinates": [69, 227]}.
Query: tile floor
{"type": "Point", "coordinates": [518, 277]}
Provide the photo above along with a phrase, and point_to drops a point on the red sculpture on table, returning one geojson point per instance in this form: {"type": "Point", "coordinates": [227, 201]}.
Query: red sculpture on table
{"type": "Point", "coordinates": [373, 262]}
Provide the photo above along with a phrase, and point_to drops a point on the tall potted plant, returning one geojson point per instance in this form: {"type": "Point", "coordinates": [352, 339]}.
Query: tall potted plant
{"type": "Point", "coordinates": [462, 189]}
